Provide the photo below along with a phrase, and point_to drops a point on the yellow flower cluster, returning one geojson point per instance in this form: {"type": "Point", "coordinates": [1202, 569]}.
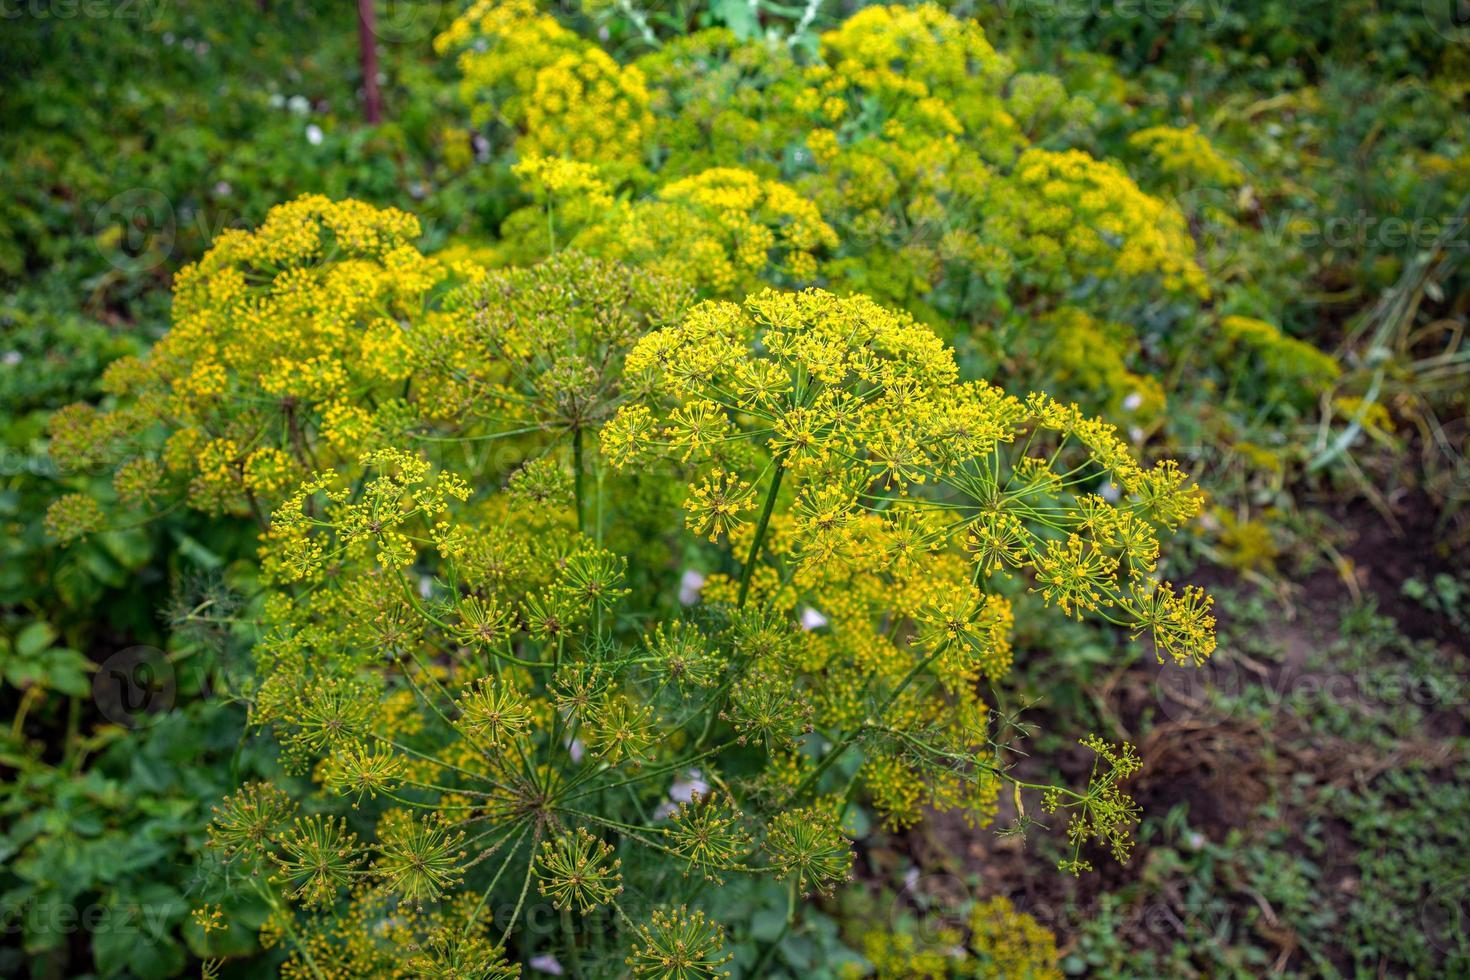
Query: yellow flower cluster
{"type": "Point", "coordinates": [905, 159]}
{"type": "Point", "coordinates": [565, 97]}
{"type": "Point", "coordinates": [281, 338]}
{"type": "Point", "coordinates": [501, 46]}
{"type": "Point", "coordinates": [495, 664]}
{"type": "Point", "coordinates": [556, 178]}
{"type": "Point", "coordinates": [718, 102]}
{"type": "Point", "coordinates": [860, 406]}
{"type": "Point", "coordinates": [926, 68]}
{"type": "Point", "coordinates": [721, 231]}
{"type": "Point", "coordinates": [1085, 358]}
{"type": "Point", "coordinates": [1186, 154]}
{"type": "Point", "coordinates": [1012, 944]}
{"type": "Point", "coordinates": [911, 143]}
{"type": "Point", "coordinates": [1285, 360]}
{"type": "Point", "coordinates": [588, 107]}
{"type": "Point", "coordinates": [1083, 216]}
{"type": "Point", "coordinates": [1002, 944]}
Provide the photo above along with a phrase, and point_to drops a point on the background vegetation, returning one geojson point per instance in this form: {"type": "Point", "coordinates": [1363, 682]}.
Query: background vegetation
{"type": "Point", "coordinates": [1304, 795]}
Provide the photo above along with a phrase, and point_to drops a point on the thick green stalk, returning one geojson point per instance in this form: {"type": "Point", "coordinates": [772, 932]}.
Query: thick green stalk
{"type": "Point", "coordinates": [760, 533]}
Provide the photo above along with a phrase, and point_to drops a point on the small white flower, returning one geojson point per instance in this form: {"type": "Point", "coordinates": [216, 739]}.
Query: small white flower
{"type": "Point", "coordinates": [546, 963]}
{"type": "Point", "coordinates": [426, 586]}
{"type": "Point", "coordinates": [298, 105]}
{"type": "Point", "coordinates": [314, 134]}
{"type": "Point", "coordinates": [222, 189]}
{"type": "Point", "coordinates": [811, 619]}
{"type": "Point", "coordinates": [1109, 491]}
{"type": "Point", "coordinates": [685, 790]}
{"type": "Point", "coordinates": [277, 100]}
{"type": "Point", "coordinates": [1135, 433]}
{"type": "Point", "coordinates": [665, 810]}
{"type": "Point", "coordinates": [1132, 402]}
{"type": "Point", "coordinates": [12, 358]}
{"type": "Point", "coordinates": [689, 585]}
{"type": "Point", "coordinates": [576, 749]}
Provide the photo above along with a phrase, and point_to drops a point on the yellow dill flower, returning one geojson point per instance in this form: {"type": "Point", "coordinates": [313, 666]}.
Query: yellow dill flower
{"type": "Point", "coordinates": [73, 516]}
{"type": "Point", "coordinates": [1185, 153]}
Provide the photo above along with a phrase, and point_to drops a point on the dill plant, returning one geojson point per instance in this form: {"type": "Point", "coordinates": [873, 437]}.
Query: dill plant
{"type": "Point", "coordinates": [468, 649]}
{"type": "Point", "coordinates": [468, 646]}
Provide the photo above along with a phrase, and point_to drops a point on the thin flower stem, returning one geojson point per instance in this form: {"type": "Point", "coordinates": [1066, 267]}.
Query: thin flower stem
{"type": "Point", "coordinates": [485, 895]}
{"type": "Point", "coordinates": [577, 478]}
{"type": "Point", "coordinates": [836, 751]}
{"type": "Point", "coordinates": [525, 886]}
{"type": "Point", "coordinates": [661, 770]}
{"type": "Point", "coordinates": [770, 951]}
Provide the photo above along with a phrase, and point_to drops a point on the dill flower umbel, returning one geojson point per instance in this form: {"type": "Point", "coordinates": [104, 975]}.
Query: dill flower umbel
{"type": "Point", "coordinates": [278, 335]}
{"type": "Point", "coordinates": [578, 871]}
{"type": "Point", "coordinates": [808, 846]}
{"type": "Point", "coordinates": [678, 945]}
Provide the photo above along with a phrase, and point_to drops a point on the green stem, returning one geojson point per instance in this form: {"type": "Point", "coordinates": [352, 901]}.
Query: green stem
{"type": "Point", "coordinates": [525, 886]}
{"type": "Point", "coordinates": [577, 478]}
{"type": "Point", "coordinates": [760, 965]}
{"type": "Point", "coordinates": [760, 532]}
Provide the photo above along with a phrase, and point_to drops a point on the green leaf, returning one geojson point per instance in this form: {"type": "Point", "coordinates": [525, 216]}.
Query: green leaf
{"type": "Point", "coordinates": [197, 553]}
{"type": "Point", "coordinates": [66, 671]}
{"type": "Point", "coordinates": [123, 945]}
{"type": "Point", "coordinates": [34, 638]}
{"type": "Point", "coordinates": [739, 16]}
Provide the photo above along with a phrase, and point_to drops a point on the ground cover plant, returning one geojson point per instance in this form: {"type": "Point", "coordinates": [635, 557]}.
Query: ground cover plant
{"type": "Point", "coordinates": [499, 489]}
